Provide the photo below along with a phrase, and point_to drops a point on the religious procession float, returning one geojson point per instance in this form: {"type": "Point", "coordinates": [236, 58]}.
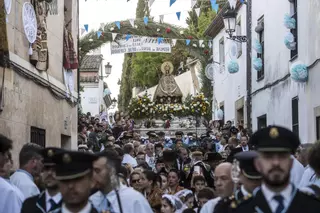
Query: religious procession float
{"type": "Point", "coordinates": [167, 109]}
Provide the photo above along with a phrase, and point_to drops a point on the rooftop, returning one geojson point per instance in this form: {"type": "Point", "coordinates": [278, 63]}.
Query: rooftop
{"type": "Point", "coordinates": [91, 63]}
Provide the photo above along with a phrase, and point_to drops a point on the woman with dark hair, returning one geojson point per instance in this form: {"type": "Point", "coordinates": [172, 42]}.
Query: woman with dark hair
{"type": "Point", "coordinates": [173, 182]}
{"type": "Point", "coordinates": [150, 189]}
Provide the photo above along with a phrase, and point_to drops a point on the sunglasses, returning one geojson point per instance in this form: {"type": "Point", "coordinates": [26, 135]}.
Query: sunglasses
{"type": "Point", "coordinates": [135, 181]}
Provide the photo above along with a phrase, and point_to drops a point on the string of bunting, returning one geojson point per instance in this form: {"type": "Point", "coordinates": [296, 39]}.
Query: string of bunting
{"type": "Point", "coordinates": [159, 39]}
{"type": "Point", "coordinates": [214, 6]}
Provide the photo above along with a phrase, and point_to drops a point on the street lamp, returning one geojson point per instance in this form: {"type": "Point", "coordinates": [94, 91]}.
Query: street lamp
{"type": "Point", "coordinates": [114, 102]}
{"type": "Point", "coordinates": [108, 68]}
{"type": "Point", "coordinates": [230, 23]}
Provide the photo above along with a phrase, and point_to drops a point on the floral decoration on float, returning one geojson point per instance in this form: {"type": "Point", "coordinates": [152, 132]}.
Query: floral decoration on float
{"type": "Point", "coordinates": [199, 105]}
{"type": "Point", "coordinates": [141, 107]}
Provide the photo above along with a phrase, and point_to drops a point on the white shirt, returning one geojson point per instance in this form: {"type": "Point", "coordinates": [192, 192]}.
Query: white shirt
{"type": "Point", "coordinates": [245, 148]}
{"type": "Point", "coordinates": [308, 177]}
{"type": "Point", "coordinates": [296, 172]}
{"type": "Point", "coordinates": [308, 189]}
{"type": "Point", "coordinates": [131, 200]}
{"type": "Point", "coordinates": [18, 191]}
{"type": "Point", "coordinates": [57, 198]}
{"type": "Point", "coordinates": [24, 181]}
{"type": "Point", "coordinates": [269, 195]}
{"type": "Point", "coordinates": [10, 201]}
{"type": "Point", "coordinates": [209, 206]}
{"type": "Point", "coordinates": [129, 160]}
{"type": "Point", "coordinates": [244, 191]}
{"type": "Point", "coordinates": [86, 209]}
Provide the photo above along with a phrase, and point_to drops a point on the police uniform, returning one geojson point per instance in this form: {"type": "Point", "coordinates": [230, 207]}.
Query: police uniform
{"type": "Point", "coordinates": [38, 203]}
{"type": "Point", "coordinates": [248, 170]}
{"type": "Point", "coordinates": [70, 166]}
{"type": "Point", "coordinates": [290, 200]}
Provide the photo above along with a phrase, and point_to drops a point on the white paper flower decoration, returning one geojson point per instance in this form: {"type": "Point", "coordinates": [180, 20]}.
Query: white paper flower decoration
{"type": "Point", "coordinates": [257, 46]}
{"type": "Point", "coordinates": [299, 72]}
{"type": "Point", "coordinates": [289, 22]}
{"type": "Point", "coordinates": [233, 66]}
{"type": "Point", "coordinates": [257, 64]}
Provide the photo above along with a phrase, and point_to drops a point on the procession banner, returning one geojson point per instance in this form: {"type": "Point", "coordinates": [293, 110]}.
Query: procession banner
{"type": "Point", "coordinates": [137, 44]}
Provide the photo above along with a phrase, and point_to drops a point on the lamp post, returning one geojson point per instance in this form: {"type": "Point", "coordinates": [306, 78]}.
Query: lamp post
{"type": "Point", "coordinates": [229, 18]}
{"type": "Point", "coordinates": [230, 23]}
{"type": "Point", "coordinates": [108, 68]}
{"type": "Point", "coordinates": [113, 103]}
{"type": "Point", "coordinates": [107, 71]}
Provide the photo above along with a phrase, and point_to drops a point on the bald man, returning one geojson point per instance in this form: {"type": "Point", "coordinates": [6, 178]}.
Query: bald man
{"type": "Point", "coordinates": [223, 184]}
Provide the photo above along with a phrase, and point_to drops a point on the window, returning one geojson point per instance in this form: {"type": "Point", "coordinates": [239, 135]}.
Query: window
{"type": "Point", "coordinates": [294, 12]}
{"type": "Point", "coordinates": [239, 33]}
{"type": "Point", "coordinates": [295, 115]}
{"type": "Point", "coordinates": [260, 74]}
{"type": "Point", "coordinates": [38, 136]}
{"type": "Point", "coordinates": [318, 127]}
{"type": "Point", "coordinates": [221, 52]}
{"type": "Point", "coordinates": [262, 122]}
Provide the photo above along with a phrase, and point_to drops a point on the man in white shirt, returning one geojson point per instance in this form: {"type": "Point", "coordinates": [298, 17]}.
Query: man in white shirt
{"type": "Point", "coordinates": [30, 161]}
{"type": "Point", "coordinates": [128, 158]}
{"type": "Point", "coordinates": [112, 196]}
{"type": "Point", "coordinates": [276, 194]}
{"type": "Point", "coordinates": [50, 199]}
{"type": "Point", "coordinates": [314, 159]}
{"type": "Point", "coordinates": [5, 174]}
{"type": "Point", "coordinates": [10, 201]}
{"type": "Point", "coordinates": [223, 184]}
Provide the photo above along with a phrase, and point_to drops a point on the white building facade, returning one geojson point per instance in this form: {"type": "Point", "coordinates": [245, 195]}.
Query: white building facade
{"type": "Point", "coordinates": [229, 89]}
{"type": "Point", "coordinates": [276, 97]}
{"type": "Point", "coordinates": [95, 94]}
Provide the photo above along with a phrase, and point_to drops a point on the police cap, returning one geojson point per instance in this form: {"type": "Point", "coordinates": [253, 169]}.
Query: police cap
{"type": "Point", "coordinates": [246, 163]}
{"type": "Point", "coordinates": [48, 154]}
{"type": "Point", "coordinates": [71, 165]}
{"type": "Point", "coordinates": [275, 139]}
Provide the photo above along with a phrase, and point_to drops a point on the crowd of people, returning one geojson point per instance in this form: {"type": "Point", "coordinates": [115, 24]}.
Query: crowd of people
{"type": "Point", "coordinates": [116, 170]}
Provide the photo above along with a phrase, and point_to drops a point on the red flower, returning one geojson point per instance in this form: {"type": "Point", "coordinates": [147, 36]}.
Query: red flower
{"type": "Point", "coordinates": [206, 52]}
{"type": "Point", "coordinates": [189, 37]}
{"type": "Point", "coordinates": [168, 30]}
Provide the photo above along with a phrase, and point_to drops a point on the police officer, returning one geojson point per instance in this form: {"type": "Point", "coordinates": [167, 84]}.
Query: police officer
{"type": "Point", "coordinates": [50, 199]}
{"type": "Point", "coordinates": [275, 145]}
{"type": "Point", "coordinates": [74, 173]}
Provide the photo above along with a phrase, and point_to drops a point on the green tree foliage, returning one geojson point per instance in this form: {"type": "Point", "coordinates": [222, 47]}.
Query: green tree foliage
{"type": "Point", "coordinates": [198, 26]}
{"type": "Point", "coordinates": [125, 87]}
